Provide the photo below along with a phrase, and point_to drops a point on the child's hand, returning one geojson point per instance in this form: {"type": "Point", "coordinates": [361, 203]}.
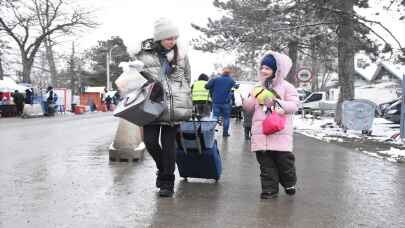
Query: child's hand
{"type": "Point", "coordinates": [278, 109]}
{"type": "Point", "coordinates": [268, 101]}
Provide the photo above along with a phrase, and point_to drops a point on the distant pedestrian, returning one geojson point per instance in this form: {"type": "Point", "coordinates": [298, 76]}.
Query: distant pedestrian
{"type": "Point", "coordinates": [29, 96]}
{"type": "Point", "coordinates": [116, 98]}
{"type": "Point", "coordinates": [19, 102]}
{"type": "Point", "coordinates": [220, 88]}
{"type": "Point", "coordinates": [50, 101]}
{"type": "Point", "coordinates": [237, 102]}
{"type": "Point", "coordinates": [108, 101]}
{"type": "Point", "coordinates": [247, 123]}
{"type": "Point", "coordinates": [274, 151]}
{"type": "Point", "coordinates": [201, 96]}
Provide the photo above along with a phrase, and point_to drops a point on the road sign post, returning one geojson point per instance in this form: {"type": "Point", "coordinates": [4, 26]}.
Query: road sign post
{"type": "Point", "coordinates": [304, 75]}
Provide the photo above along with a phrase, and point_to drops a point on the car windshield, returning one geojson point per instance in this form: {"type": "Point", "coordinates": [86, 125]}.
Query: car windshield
{"type": "Point", "coordinates": [314, 97]}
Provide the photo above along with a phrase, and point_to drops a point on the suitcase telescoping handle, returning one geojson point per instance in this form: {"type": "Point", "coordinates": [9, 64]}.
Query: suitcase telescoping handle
{"type": "Point", "coordinates": [196, 116]}
{"type": "Point", "coordinates": [197, 137]}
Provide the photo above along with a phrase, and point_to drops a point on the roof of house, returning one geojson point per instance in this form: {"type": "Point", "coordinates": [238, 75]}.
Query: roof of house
{"type": "Point", "coordinates": [371, 72]}
{"type": "Point", "coordinates": [395, 69]}
{"type": "Point", "coordinates": [368, 72]}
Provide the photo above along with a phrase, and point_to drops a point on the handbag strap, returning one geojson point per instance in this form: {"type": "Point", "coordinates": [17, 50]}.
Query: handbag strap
{"type": "Point", "coordinates": [261, 91]}
{"type": "Point", "coordinates": [275, 93]}
{"type": "Point", "coordinates": [271, 90]}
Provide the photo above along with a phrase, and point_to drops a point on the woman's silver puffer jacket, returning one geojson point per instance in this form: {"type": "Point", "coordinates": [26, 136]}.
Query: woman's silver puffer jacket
{"type": "Point", "coordinates": [176, 85]}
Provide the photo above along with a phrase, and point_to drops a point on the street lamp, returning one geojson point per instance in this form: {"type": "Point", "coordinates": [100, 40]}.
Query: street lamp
{"type": "Point", "coordinates": [108, 59]}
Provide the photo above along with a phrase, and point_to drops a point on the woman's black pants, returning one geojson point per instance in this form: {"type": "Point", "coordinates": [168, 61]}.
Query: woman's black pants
{"type": "Point", "coordinates": [160, 141]}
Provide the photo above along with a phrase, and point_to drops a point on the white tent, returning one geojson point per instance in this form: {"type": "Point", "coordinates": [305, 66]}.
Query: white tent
{"type": "Point", "coordinates": [9, 85]}
{"type": "Point", "coordinates": [94, 89]}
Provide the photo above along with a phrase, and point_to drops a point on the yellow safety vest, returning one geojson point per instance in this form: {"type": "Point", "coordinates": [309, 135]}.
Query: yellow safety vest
{"type": "Point", "coordinates": [199, 92]}
{"type": "Point", "coordinates": [262, 94]}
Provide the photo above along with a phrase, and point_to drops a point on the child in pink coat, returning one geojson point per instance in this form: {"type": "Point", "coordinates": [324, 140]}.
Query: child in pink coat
{"type": "Point", "coordinates": [274, 152]}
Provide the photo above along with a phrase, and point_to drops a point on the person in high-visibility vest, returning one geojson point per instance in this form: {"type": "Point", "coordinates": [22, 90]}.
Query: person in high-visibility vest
{"type": "Point", "coordinates": [201, 96]}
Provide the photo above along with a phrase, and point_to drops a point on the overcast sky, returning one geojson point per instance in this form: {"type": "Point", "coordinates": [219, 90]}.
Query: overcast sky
{"type": "Point", "coordinates": [133, 21]}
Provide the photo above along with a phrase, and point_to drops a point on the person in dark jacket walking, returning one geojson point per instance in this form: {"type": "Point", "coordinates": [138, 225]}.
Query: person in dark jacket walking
{"type": "Point", "coordinates": [220, 88]}
{"type": "Point", "coordinates": [29, 96]}
{"type": "Point", "coordinates": [50, 101]}
{"type": "Point", "coordinates": [19, 102]}
{"type": "Point", "coordinates": [108, 101]}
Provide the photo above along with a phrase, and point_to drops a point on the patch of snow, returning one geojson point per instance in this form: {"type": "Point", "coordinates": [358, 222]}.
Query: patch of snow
{"type": "Point", "coordinates": [394, 153]}
{"type": "Point", "coordinates": [325, 129]}
{"type": "Point", "coordinates": [372, 154]}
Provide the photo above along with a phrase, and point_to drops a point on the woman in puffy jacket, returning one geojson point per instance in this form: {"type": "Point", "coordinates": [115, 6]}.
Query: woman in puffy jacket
{"type": "Point", "coordinates": [164, 62]}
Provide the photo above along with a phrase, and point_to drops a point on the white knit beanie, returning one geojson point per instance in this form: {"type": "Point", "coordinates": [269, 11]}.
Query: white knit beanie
{"type": "Point", "coordinates": [164, 28]}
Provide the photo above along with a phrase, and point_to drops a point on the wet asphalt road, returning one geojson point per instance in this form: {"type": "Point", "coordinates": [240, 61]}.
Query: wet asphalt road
{"type": "Point", "coordinates": [55, 173]}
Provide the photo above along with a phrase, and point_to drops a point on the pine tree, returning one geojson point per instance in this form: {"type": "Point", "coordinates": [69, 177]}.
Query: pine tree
{"type": "Point", "coordinates": [98, 54]}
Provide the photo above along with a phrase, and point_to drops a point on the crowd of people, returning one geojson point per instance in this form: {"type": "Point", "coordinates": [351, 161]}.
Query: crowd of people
{"type": "Point", "coordinates": [18, 99]}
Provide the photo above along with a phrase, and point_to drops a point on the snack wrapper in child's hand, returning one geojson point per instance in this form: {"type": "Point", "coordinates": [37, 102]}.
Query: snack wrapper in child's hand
{"type": "Point", "coordinates": [263, 96]}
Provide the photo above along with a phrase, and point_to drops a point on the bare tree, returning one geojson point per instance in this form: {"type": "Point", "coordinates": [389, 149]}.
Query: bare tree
{"type": "Point", "coordinates": [46, 10]}
{"type": "Point", "coordinates": [1, 68]}
{"type": "Point", "coordinates": [30, 22]}
{"type": "Point", "coordinates": [72, 69]}
{"type": "Point", "coordinates": [3, 49]}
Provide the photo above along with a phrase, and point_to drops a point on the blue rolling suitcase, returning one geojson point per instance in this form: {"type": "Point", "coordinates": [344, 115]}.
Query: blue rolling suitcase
{"type": "Point", "coordinates": [197, 153]}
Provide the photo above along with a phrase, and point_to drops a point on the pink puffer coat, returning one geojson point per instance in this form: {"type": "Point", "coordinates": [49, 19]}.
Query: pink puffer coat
{"type": "Point", "coordinates": [282, 140]}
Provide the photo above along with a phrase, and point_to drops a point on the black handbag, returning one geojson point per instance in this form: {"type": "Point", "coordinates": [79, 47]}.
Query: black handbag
{"type": "Point", "coordinates": [138, 108]}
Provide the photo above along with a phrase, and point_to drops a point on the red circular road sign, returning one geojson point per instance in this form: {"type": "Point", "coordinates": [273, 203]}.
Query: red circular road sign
{"type": "Point", "coordinates": [304, 75]}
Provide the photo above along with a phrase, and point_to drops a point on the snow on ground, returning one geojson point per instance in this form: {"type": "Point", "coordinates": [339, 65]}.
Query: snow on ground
{"type": "Point", "coordinates": [393, 154]}
{"type": "Point", "coordinates": [326, 130]}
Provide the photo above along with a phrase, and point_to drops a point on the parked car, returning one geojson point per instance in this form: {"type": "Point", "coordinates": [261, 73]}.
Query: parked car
{"type": "Point", "coordinates": [393, 112]}
{"type": "Point", "coordinates": [318, 101]}
{"type": "Point", "coordinates": [383, 106]}
{"type": "Point", "coordinates": [302, 94]}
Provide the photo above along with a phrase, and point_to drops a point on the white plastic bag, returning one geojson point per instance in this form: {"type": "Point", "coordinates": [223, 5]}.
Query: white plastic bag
{"type": "Point", "coordinates": [130, 79]}
{"type": "Point", "coordinates": [238, 99]}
